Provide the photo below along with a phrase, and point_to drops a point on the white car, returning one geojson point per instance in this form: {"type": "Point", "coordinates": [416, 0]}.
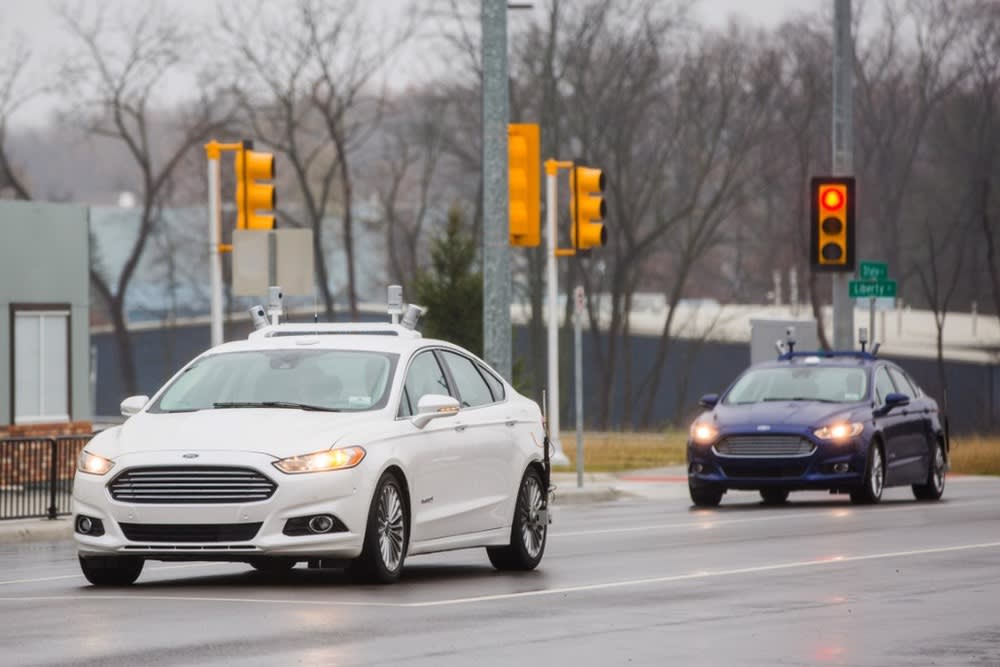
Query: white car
{"type": "Point", "coordinates": [338, 445]}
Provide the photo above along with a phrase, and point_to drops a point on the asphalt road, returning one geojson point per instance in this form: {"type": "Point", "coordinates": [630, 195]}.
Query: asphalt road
{"type": "Point", "coordinates": [644, 582]}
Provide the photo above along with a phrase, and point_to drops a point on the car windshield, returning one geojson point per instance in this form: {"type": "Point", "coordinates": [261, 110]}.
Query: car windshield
{"type": "Point", "coordinates": [329, 380]}
{"type": "Point", "coordinates": [799, 383]}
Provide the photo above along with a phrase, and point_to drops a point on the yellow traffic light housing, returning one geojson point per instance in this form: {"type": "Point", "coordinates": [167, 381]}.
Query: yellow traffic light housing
{"type": "Point", "coordinates": [524, 184]}
{"type": "Point", "coordinates": [255, 201]}
{"type": "Point", "coordinates": [587, 208]}
{"type": "Point", "coordinates": [832, 224]}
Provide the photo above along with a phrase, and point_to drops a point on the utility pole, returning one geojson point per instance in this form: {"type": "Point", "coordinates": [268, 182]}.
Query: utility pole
{"type": "Point", "coordinates": [843, 155]}
{"type": "Point", "coordinates": [496, 249]}
{"type": "Point", "coordinates": [214, 239]}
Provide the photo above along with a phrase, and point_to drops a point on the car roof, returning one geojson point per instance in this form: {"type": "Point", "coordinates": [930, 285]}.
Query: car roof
{"type": "Point", "coordinates": [820, 360]}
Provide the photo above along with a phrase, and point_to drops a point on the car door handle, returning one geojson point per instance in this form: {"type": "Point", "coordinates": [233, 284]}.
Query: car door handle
{"type": "Point", "coordinates": [511, 422]}
{"type": "Point", "coordinates": [461, 427]}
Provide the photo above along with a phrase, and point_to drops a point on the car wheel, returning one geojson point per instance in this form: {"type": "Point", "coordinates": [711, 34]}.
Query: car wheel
{"type": "Point", "coordinates": [934, 487]}
{"type": "Point", "coordinates": [272, 565]}
{"type": "Point", "coordinates": [111, 570]}
{"type": "Point", "coordinates": [871, 491]}
{"type": "Point", "coordinates": [386, 536]}
{"type": "Point", "coordinates": [706, 496]}
{"type": "Point", "coordinates": [774, 496]}
{"type": "Point", "coordinates": [528, 531]}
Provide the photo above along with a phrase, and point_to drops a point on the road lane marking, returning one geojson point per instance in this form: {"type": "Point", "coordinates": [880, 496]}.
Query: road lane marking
{"type": "Point", "coordinates": [715, 518]}
{"type": "Point", "coordinates": [563, 590]}
{"type": "Point", "coordinates": [79, 575]}
{"type": "Point", "coordinates": [706, 574]}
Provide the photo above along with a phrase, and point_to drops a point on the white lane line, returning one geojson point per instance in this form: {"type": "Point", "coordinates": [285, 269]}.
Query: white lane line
{"type": "Point", "coordinates": [835, 560]}
{"type": "Point", "coordinates": [712, 519]}
{"type": "Point", "coordinates": [564, 590]}
{"type": "Point", "coordinates": [80, 575]}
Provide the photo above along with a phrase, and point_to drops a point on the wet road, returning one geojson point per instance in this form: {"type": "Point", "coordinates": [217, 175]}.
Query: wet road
{"type": "Point", "coordinates": [643, 582]}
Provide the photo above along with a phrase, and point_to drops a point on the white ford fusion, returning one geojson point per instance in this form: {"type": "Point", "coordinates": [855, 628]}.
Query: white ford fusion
{"type": "Point", "coordinates": [343, 445]}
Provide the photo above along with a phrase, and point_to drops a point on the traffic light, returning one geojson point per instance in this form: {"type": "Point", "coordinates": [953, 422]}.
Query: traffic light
{"type": "Point", "coordinates": [832, 224]}
{"type": "Point", "coordinates": [587, 208]}
{"type": "Point", "coordinates": [523, 180]}
{"type": "Point", "coordinates": [252, 196]}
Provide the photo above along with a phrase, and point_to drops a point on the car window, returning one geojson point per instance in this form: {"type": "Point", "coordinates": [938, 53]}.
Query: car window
{"type": "Point", "coordinates": [424, 377]}
{"type": "Point", "coordinates": [496, 386]}
{"type": "Point", "coordinates": [405, 407]}
{"type": "Point", "coordinates": [902, 382]}
{"type": "Point", "coordinates": [472, 388]}
{"type": "Point", "coordinates": [883, 385]}
{"type": "Point", "coordinates": [831, 384]}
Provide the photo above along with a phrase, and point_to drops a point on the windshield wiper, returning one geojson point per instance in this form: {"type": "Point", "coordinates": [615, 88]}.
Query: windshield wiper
{"type": "Point", "coordinates": [771, 399]}
{"type": "Point", "coordinates": [274, 404]}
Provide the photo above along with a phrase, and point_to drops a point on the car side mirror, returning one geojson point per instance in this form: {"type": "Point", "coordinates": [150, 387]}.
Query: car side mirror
{"type": "Point", "coordinates": [433, 406]}
{"type": "Point", "coordinates": [709, 401]}
{"type": "Point", "coordinates": [133, 404]}
{"type": "Point", "coordinates": [896, 400]}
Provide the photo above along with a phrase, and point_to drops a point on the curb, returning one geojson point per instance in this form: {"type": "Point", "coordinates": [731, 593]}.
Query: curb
{"type": "Point", "coordinates": [571, 495]}
{"type": "Point", "coordinates": [35, 530]}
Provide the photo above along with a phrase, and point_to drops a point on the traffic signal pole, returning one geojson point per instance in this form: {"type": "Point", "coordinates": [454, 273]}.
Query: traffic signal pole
{"type": "Point", "coordinates": [552, 306]}
{"type": "Point", "coordinates": [843, 156]}
{"type": "Point", "coordinates": [214, 239]}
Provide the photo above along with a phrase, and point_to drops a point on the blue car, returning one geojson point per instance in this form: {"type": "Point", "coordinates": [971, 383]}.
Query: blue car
{"type": "Point", "coordinates": [844, 422]}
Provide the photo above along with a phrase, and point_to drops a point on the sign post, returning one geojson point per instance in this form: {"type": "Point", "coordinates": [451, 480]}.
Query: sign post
{"type": "Point", "coordinates": [578, 297]}
{"type": "Point", "coordinates": [873, 283]}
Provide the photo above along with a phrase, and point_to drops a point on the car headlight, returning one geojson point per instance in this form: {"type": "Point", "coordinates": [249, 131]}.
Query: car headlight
{"type": "Point", "coordinates": [703, 433]}
{"type": "Point", "coordinates": [93, 464]}
{"type": "Point", "coordinates": [839, 431]}
{"type": "Point", "coordinates": [328, 459]}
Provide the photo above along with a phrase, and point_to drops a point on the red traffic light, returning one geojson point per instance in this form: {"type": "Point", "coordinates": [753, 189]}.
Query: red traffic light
{"type": "Point", "coordinates": [832, 199]}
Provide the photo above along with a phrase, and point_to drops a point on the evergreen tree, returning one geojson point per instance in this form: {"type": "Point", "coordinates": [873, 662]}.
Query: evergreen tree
{"type": "Point", "coordinates": [452, 290]}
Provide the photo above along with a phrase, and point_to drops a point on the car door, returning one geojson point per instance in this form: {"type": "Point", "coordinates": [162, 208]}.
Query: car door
{"type": "Point", "coordinates": [487, 443]}
{"type": "Point", "coordinates": [892, 426]}
{"type": "Point", "coordinates": [433, 451]}
{"type": "Point", "coordinates": [915, 429]}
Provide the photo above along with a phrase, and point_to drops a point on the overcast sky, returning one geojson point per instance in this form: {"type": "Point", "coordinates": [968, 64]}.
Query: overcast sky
{"type": "Point", "coordinates": [36, 21]}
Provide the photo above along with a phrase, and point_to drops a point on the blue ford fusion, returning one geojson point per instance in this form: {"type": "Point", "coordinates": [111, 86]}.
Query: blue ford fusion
{"type": "Point", "coordinates": [847, 422]}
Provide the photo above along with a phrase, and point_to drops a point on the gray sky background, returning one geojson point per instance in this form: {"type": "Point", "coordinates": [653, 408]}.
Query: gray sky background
{"type": "Point", "coordinates": [36, 21]}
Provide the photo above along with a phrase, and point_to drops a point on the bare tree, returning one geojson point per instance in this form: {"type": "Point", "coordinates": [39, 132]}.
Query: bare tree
{"type": "Point", "coordinates": [111, 83]}
{"type": "Point", "coordinates": [15, 91]}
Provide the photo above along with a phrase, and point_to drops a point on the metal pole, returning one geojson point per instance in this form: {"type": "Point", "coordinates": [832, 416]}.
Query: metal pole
{"type": "Point", "coordinates": [214, 258]}
{"type": "Point", "coordinates": [272, 259]}
{"type": "Point", "coordinates": [843, 155]}
{"type": "Point", "coordinates": [496, 251]}
{"type": "Point", "coordinates": [578, 386]}
{"type": "Point", "coordinates": [871, 318]}
{"type": "Point", "coordinates": [552, 306]}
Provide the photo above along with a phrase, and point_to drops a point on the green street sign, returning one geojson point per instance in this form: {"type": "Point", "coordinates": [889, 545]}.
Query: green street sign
{"type": "Point", "coordinates": [860, 289]}
{"type": "Point", "coordinates": [873, 271]}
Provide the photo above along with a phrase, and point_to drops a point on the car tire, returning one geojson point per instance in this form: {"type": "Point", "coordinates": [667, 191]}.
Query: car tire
{"type": "Point", "coordinates": [774, 496]}
{"type": "Point", "coordinates": [273, 565]}
{"type": "Point", "coordinates": [528, 531]}
{"type": "Point", "coordinates": [386, 536]}
{"type": "Point", "coordinates": [706, 496]}
{"type": "Point", "coordinates": [934, 487]}
{"type": "Point", "coordinates": [870, 491]}
{"type": "Point", "coordinates": [111, 570]}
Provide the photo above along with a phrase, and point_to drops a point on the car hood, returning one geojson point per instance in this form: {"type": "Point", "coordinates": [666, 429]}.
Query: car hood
{"type": "Point", "coordinates": [782, 414]}
{"type": "Point", "coordinates": [277, 432]}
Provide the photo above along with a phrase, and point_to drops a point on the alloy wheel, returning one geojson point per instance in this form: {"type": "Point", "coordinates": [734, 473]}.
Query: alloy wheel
{"type": "Point", "coordinates": [391, 527]}
{"type": "Point", "coordinates": [532, 526]}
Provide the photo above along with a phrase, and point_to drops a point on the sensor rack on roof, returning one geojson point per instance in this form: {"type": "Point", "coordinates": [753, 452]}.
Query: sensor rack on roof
{"type": "Point", "coordinates": [334, 329]}
{"type": "Point", "coordinates": [828, 354]}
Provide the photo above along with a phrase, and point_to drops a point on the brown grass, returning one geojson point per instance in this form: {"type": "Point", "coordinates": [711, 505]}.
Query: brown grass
{"type": "Point", "coordinates": [975, 455]}
{"type": "Point", "coordinates": [611, 452]}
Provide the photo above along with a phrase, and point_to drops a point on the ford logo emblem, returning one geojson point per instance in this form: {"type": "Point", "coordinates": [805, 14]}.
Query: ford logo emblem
{"type": "Point", "coordinates": [762, 427]}
{"type": "Point", "coordinates": [190, 456]}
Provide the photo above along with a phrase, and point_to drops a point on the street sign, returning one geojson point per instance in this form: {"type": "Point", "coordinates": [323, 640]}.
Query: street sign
{"type": "Point", "coordinates": [873, 271]}
{"type": "Point", "coordinates": [859, 289]}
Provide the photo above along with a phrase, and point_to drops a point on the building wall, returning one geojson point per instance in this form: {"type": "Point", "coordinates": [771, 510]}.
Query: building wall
{"type": "Point", "coordinates": [44, 258]}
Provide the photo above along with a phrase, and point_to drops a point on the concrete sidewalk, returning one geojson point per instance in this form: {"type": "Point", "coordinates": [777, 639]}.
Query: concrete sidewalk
{"type": "Point", "coordinates": [17, 531]}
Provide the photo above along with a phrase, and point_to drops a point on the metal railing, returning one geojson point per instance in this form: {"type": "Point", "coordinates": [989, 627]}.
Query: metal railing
{"type": "Point", "coordinates": [36, 475]}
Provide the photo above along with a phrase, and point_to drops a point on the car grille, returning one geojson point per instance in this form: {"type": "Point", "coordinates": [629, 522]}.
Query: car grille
{"type": "Point", "coordinates": [769, 470]}
{"type": "Point", "coordinates": [751, 446]}
{"type": "Point", "coordinates": [191, 485]}
{"type": "Point", "coordinates": [190, 532]}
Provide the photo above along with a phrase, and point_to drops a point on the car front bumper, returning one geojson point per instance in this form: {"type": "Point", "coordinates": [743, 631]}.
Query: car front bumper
{"type": "Point", "coordinates": [340, 493]}
{"type": "Point", "coordinates": [830, 466]}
